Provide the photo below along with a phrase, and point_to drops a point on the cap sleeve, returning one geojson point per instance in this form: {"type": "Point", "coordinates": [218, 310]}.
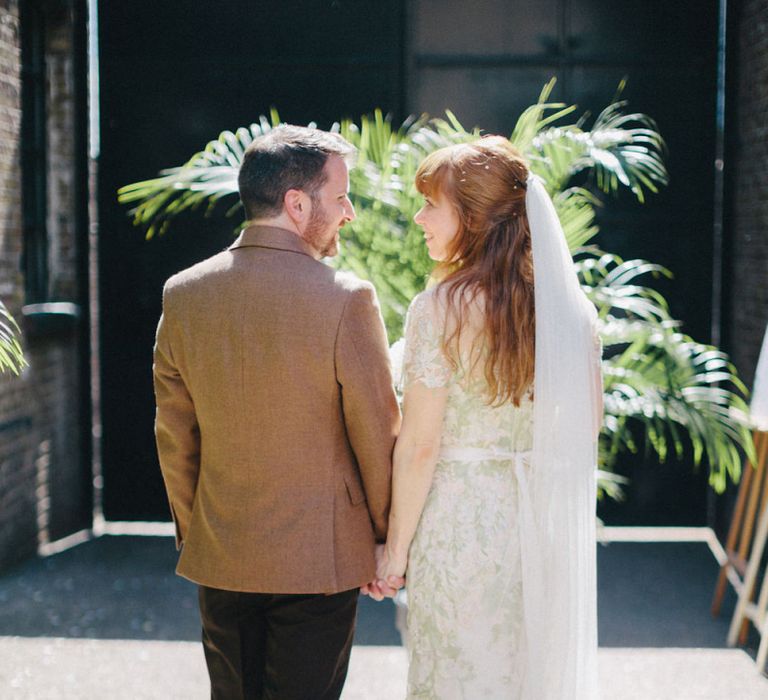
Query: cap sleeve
{"type": "Point", "coordinates": [423, 358]}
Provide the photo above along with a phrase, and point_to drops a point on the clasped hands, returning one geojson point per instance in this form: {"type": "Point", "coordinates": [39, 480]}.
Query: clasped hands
{"type": "Point", "coordinates": [390, 575]}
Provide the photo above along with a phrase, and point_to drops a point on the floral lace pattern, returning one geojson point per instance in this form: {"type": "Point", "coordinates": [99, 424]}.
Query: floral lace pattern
{"type": "Point", "coordinates": [465, 618]}
{"type": "Point", "coordinates": [423, 361]}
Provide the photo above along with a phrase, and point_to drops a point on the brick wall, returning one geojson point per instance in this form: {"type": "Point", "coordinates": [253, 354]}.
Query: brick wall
{"type": "Point", "coordinates": [10, 126]}
{"type": "Point", "coordinates": [42, 494]}
{"type": "Point", "coordinates": [748, 313]}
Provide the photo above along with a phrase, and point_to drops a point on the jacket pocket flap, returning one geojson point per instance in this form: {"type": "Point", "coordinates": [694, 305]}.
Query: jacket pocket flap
{"type": "Point", "coordinates": [354, 490]}
{"type": "Point", "coordinates": [179, 538]}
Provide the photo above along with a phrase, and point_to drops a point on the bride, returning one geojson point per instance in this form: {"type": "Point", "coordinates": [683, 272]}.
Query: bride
{"type": "Point", "coordinates": [493, 509]}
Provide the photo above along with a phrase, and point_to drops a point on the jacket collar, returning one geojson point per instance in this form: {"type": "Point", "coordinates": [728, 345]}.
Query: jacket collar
{"type": "Point", "coordinates": [272, 237]}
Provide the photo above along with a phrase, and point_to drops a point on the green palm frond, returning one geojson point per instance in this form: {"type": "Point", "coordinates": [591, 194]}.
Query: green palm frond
{"type": "Point", "coordinates": [383, 244]}
{"type": "Point", "coordinates": [660, 380]}
{"type": "Point", "coordinates": [575, 208]}
{"type": "Point", "coordinates": [622, 150]}
{"type": "Point", "coordinates": [375, 181]}
{"type": "Point", "coordinates": [626, 149]}
{"type": "Point", "coordinates": [673, 387]}
{"type": "Point", "coordinates": [11, 354]}
{"type": "Point", "coordinates": [611, 485]}
{"type": "Point", "coordinates": [535, 118]}
{"type": "Point", "coordinates": [610, 283]}
{"type": "Point", "coordinates": [206, 178]}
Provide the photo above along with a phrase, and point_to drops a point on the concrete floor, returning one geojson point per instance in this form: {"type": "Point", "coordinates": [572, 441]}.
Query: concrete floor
{"type": "Point", "coordinates": [108, 619]}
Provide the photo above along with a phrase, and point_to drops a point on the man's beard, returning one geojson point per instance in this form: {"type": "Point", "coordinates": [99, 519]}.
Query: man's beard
{"type": "Point", "coordinates": [317, 231]}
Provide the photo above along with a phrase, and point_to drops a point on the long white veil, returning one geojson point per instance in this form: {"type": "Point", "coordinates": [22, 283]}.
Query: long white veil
{"type": "Point", "coordinates": [558, 494]}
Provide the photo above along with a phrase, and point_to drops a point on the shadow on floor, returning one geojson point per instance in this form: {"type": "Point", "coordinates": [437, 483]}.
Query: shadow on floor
{"type": "Point", "coordinates": [123, 587]}
{"type": "Point", "coordinates": [659, 595]}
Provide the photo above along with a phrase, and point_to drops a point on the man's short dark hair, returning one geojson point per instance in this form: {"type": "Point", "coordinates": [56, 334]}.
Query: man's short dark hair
{"type": "Point", "coordinates": [286, 158]}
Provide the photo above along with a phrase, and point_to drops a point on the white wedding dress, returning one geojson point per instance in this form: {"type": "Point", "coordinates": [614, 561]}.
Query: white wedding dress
{"type": "Point", "coordinates": [466, 633]}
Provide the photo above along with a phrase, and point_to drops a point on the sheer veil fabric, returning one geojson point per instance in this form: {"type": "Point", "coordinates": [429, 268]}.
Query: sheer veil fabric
{"type": "Point", "coordinates": [558, 493]}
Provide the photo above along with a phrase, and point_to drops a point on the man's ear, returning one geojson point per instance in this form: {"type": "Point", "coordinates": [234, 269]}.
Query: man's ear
{"type": "Point", "coordinates": [296, 206]}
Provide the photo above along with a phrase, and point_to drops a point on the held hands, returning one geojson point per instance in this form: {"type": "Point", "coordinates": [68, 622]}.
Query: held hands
{"type": "Point", "coordinates": [390, 575]}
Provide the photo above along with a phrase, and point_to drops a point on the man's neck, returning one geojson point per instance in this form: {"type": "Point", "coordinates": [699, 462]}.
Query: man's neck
{"type": "Point", "coordinates": [283, 221]}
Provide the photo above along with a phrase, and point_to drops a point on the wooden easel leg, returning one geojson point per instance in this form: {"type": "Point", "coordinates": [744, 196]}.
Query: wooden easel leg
{"type": "Point", "coordinates": [754, 497]}
{"type": "Point", "coordinates": [762, 652]}
{"type": "Point", "coordinates": [750, 578]}
{"type": "Point", "coordinates": [760, 491]}
{"type": "Point", "coordinates": [761, 622]}
{"type": "Point", "coordinates": [733, 534]}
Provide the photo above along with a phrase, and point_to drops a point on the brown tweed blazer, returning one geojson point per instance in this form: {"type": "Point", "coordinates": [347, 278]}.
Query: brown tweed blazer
{"type": "Point", "coordinates": [276, 419]}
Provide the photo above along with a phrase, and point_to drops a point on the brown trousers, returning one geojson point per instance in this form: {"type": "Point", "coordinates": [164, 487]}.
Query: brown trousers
{"type": "Point", "coordinates": [263, 646]}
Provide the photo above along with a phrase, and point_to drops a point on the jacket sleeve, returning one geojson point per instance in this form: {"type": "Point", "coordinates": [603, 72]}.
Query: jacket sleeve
{"type": "Point", "coordinates": [176, 431]}
{"type": "Point", "coordinates": [371, 412]}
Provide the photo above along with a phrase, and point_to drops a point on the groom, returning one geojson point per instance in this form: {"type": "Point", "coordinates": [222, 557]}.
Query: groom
{"type": "Point", "coordinates": [275, 425]}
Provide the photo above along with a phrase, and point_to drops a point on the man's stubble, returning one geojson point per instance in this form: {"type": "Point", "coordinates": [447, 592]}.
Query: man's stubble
{"type": "Point", "coordinates": [317, 233]}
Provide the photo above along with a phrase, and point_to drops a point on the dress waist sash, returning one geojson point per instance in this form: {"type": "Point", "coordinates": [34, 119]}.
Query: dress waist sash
{"type": "Point", "coordinates": [481, 454]}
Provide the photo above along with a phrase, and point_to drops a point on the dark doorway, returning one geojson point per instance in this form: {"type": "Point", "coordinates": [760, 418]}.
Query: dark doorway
{"type": "Point", "coordinates": [172, 76]}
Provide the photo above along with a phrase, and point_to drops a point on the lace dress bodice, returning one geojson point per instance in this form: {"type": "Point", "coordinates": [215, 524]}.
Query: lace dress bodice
{"type": "Point", "coordinates": [469, 421]}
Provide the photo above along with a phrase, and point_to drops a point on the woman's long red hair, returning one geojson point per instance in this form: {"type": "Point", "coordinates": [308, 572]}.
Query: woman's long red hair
{"type": "Point", "coordinates": [489, 258]}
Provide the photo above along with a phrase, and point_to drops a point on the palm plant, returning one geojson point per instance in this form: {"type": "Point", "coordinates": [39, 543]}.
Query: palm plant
{"type": "Point", "coordinates": [11, 355]}
{"type": "Point", "coordinates": [656, 379]}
